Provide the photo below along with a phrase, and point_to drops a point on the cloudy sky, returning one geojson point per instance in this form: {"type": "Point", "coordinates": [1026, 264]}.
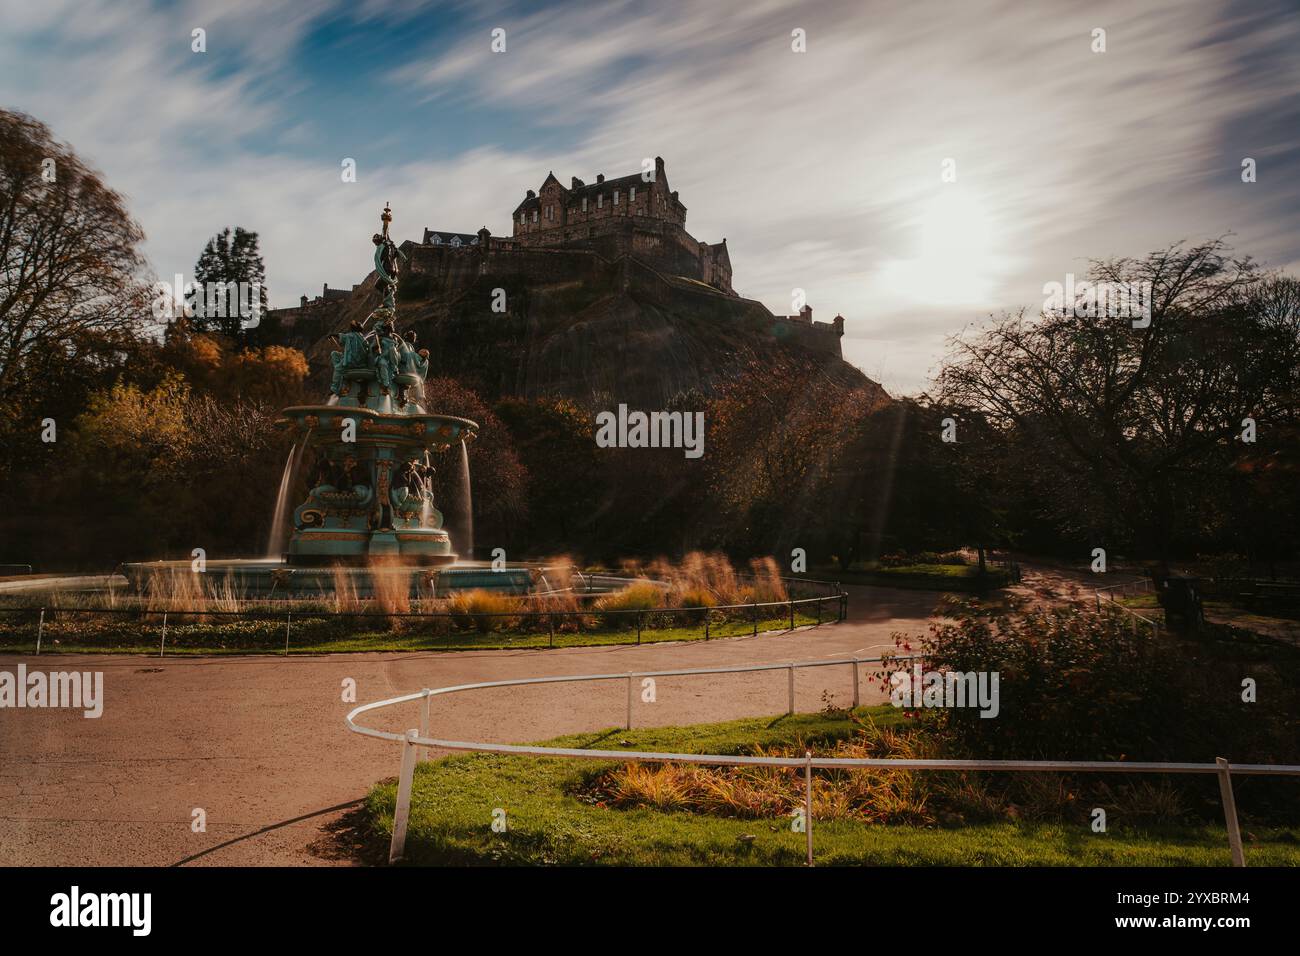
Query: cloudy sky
{"type": "Point", "coordinates": [822, 169]}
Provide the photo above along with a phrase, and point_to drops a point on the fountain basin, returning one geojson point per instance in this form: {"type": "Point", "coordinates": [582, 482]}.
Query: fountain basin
{"type": "Point", "coordinates": [359, 512]}
{"type": "Point", "coordinates": [253, 578]}
{"type": "Point", "coordinates": [411, 431]}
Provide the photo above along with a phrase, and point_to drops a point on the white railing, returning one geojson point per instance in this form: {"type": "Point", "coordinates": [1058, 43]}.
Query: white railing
{"type": "Point", "coordinates": [415, 738]}
{"type": "Point", "coordinates": [1140, 586]}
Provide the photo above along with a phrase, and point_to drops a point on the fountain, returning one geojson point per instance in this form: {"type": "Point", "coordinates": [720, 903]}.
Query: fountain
{"type": "Point", "coordinates": [370, 509]}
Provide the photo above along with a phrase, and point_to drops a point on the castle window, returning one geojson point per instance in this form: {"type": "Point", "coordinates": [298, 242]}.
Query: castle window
{"type": "Point", "coordinates": [584, 203]}
{"type": "Point", "coordinates": [436, 239]}
{"type": "Point", "coordinates": [631, 195]}
{"type": "Point", "coordinates": [600, 200]}
{"type": "Point", "coordinates": [534, 215]}
{"type": "Point", "coordinates": [455, 240]}
{"type": "Point", "coordinates": [615, 197]}
{"type": "Point", "coordinates": [523, 218]}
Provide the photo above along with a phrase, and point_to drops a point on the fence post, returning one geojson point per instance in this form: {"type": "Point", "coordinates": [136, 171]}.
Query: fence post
{"type": "Point", "coordinates": [790, 683]}
{"type": "Point", "coordinates": [819, 612]}
{"type": "Point", "coordinates": [163, 643]}
{"type": "Point", "coordinates": [1230, 812]}
{"type": "Point", "coordinates": [629, 702]}
{"type": "Point", "coordinates": [807, 804]}
{"type": "Point", "coordinates": [288, 617]}
{"type": "Point", "coordinates": [792, 614]}
{"type": "Point", "coordinates": [856, 699]}
{"type": "Point", "coordinates": [424, 717]}
{"type": "Point", "coordinates": [402, 812]}
{"type": "Point", "coordinates": [40, 627]}
{"type": "Point", "coordinates": [638, 627]}
{"type": "Point", "coordinates": [755, 612]}
{"type": "Point", "coordinates": [706, 625]}
{"type": "Point", "coordinates": [550, 627]}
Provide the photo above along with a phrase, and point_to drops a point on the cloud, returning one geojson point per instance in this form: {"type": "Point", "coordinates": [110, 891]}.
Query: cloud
{"type": "Point", "coordinates": [822, 168]}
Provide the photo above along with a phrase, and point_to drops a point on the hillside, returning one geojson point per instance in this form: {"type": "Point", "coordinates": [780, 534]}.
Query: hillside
{"type": "Point", "coordinates": [576, 325]}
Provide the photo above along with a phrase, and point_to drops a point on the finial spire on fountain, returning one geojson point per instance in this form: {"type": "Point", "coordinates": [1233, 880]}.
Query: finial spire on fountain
{"type": "Point", "coordinates": [387, 267]}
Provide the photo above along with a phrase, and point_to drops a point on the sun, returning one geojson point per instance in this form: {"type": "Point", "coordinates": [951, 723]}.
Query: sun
{"type": "Point", "coordinates": [957, 256]}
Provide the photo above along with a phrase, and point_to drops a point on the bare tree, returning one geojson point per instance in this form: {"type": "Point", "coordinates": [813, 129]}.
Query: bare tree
{"type": "Point", "coordinates": [1143, 417]}
{"type": "Point", "coordinates": [70, 278]}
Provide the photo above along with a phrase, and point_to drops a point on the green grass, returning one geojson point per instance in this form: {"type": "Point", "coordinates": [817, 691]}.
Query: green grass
{"type": "Point", "coordinates": [310, 637]}
{"type": "Point", "coordinates": [453, 800]}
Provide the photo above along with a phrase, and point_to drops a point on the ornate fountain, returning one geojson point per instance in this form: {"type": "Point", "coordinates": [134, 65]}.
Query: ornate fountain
{"type": "Point", "coordinates": [369, 514]}
{"type": "Point", "coordinates": [371, 491]}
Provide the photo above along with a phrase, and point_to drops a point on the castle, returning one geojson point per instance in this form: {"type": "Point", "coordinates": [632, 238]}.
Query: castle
{"type": "Point", "coordinates": [599, 237]}
{"type": "Point", "coordinates": [636, 215]}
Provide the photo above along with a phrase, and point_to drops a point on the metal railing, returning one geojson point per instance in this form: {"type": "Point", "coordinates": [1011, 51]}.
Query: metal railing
{"type": "Point", "coordinates": [419, 737]}
{"type": "Point", "coordinates": [826, 608]}
{"type": "Point", "coordinates": [1124, 589]}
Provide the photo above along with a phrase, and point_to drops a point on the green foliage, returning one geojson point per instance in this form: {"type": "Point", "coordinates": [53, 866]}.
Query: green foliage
{"type": "Point", "coordinates": [227, 259]}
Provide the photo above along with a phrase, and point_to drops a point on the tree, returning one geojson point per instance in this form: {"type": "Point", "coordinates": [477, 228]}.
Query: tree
{"type": "Point", "coordinates": [232, 281]}
{"type": "Point", "coordinates": [556, 443]}
{"type": "Point", "coordinates": [498, 479]}
{"type": "Point", "coordinates": [71, 294]}
{"type": "Point", "coordinates": [780, 450]}
{"type": "Point", "coordinates": [1141, 423]}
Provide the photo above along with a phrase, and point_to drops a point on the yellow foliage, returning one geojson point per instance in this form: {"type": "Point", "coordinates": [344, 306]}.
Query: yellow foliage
{"type": "Point", "coordinates": [127, 423]}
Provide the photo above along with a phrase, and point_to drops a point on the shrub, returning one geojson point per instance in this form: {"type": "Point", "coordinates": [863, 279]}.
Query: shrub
{"type": "Point", "coordinates": [1080, 685]}
{"type": "Point", "coordinates": [484, 610]}
{"type": "Point", "coordinates": [698, 601]}
{"type": "Point", "coordinates": [641, 596]}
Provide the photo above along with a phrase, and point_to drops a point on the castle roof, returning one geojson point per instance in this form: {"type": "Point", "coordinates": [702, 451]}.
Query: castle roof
{"type": "Point", "coordinates": [436, 237]}
{"type": "Point", "coordinates": [622, 183]}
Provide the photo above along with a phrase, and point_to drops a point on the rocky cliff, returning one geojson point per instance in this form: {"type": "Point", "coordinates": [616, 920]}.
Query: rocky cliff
{"type": "Point", "coordinates": [575, 324]}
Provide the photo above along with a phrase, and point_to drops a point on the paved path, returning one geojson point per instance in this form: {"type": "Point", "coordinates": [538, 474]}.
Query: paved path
{"type": "Point", "coordinates": [260, 745]}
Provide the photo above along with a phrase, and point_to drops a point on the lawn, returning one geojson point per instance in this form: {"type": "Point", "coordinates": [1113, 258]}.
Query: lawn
{"type": "Point", "coordinates": [551, 822]}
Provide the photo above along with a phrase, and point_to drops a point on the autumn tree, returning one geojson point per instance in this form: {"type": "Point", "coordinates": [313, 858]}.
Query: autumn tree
{"type": "Point", "coordinates": [779, 439]}
{"type": "Point", "coordinates": [72, 298]}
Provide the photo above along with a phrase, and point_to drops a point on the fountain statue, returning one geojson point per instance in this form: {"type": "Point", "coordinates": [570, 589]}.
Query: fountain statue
{"type": "Point", "coordinates": [369, 512]}
{"type": "Point", "coordinates": [371, 491]}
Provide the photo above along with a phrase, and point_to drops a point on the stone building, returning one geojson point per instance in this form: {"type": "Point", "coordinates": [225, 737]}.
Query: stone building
{"type": "Point", "coordinates": [805, 318]}
{"type": "Point", "coordinates": [637, 215]}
